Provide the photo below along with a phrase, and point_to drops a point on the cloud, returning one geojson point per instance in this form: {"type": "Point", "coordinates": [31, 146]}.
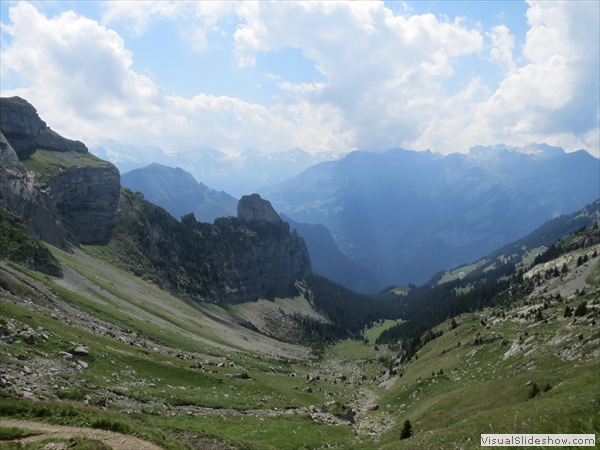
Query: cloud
{"type": "Point", "coordinates": [502, 45]}
{"type": "Point", "coordinates": [553, 98]}
{"type": "Point", "coordinates": [301, 87]}
{"type": "Point", "coordinates": [385, 76]}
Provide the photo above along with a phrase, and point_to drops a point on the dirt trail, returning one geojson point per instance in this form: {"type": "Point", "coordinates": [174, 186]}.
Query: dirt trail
{"type": "Point", "coordinates": [114, 440]}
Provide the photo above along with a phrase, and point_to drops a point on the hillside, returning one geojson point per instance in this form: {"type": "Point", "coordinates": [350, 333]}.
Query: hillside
{"type": "Point", "coordinates": [179, 193]}
{"type": "Point", "coordinates": [115, 316]}
{"type": "Point", "coordinates": [103, 348]}
{"type": "Point", "coordinates": [523, 251]}
{"type": "Point", "coordinates": [403, 215]}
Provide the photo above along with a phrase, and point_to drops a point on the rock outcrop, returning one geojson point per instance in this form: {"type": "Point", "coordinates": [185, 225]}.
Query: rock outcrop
{"type": "Point", "coordinates": [86, 199]}
{"type": "Point", "coordinates": [230, 261]}
{"type": "Point", "coordinates": [20, 195]}
{"type": "Point", "coordinates": [68, 196]}
{"type": "Point", "coordinates": [23, 128]}
{"type": "Point", "coordinates": [63, 193]}
{"type": "Point", "coordinates": [269, 268]}
{"type": "Point", "coordinates": [253, 209]}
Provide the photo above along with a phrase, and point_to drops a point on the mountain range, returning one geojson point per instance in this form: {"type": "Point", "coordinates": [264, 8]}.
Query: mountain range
{"type": "Point", "coordinates": [237, 175]}
{"type": "Point", "coordinates": [404, 215]}
{"type": "Point", "coordinates": [123, 327]}
{"type": "Point", "coordinates": [178, 192]}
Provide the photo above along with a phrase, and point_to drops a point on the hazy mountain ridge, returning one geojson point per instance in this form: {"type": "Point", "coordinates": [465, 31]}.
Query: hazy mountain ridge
{"type": "Point", "coordinates": [179, 193]}
{"type": "Point", "coordinates": [328, 261]}
{"type": "Point", "coordinates": [237, 175]}
{"type": "Point", "coordinates": [401, 213]}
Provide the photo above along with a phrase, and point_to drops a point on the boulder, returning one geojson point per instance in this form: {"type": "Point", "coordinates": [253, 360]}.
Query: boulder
{"type": "Point", "coordinates": [66, 356]}
{"type": "Point", "coordinates": [348, 415]}
{"type": "Point", "coordinates": [80, 350]}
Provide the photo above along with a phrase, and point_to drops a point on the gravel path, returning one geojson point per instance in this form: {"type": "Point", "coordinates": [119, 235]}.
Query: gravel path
{"type": "Point", "coordinates": [114, 440]}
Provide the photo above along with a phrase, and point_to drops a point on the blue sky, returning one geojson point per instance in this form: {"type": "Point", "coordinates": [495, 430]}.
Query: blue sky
{"type": "Point", "coordinates": [323, 76]}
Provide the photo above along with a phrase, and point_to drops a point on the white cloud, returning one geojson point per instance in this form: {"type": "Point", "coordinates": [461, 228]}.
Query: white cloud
{"type": "Point", "coordinates": [301, 87]}
{"type": "Point", "coordinates": [554, 97]}
{"type": "Point", "coordinates": [502, 45]}
{"type": "Point", "coordinates": [384, 72]}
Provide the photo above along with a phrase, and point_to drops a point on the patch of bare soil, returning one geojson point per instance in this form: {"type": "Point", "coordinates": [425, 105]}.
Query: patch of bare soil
{"type": "Point", "coordinates": [114, 440]}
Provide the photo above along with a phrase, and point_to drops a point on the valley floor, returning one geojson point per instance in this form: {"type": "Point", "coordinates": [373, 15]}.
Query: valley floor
{"type": "Point", "coordinates": [102, 349]}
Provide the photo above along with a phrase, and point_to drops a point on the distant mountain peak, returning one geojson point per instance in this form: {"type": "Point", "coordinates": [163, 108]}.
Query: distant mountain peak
{"type": "Point", "coordinates": [540, 150]}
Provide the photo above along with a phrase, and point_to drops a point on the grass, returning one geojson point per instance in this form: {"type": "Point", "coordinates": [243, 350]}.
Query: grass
{"type": "Point", "coordinates": [48, 164]}
{"type": "Point", "coordinates": [11, 433]}
{"type": "Point", "coordinates": [453, 392]}
{"type": "Point", "coordinates": [371, 334]}
{"type": "Point", "coordinates": [456, 273]}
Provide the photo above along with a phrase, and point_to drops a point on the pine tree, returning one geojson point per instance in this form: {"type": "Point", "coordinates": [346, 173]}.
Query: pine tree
{"type": "Point", "coordinates": [568, 312]}
{"type": "Point", "coordinates": [581, 310]}
{"type": "Point", "coordinates": [454, 324]}
{"type": "Point", "coordinates": [406, 430]}
{"type": "Point", "coordinates": [564, 269]}
{"type": "Point", "coordinates": [535, 390]}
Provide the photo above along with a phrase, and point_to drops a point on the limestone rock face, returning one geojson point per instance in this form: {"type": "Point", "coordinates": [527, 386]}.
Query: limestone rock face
{"type": "Point", "coordinates": [71, 196]}
{"type": "Point", "coordinates": [253, 209]}
{"type": "Point", "coordinates": [267, 267]}
{"type": "Point", "coordinates": [86, 199]}
{"type": "Point", "coordinates": [35, 207]}
{"type": "Point", "coordinates": [26, 132]}
{"type": "Point", "coordinates": [228, 262]}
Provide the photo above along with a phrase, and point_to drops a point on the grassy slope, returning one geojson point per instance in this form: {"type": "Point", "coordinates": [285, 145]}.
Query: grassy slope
{"type": "Point", "coordinates": [47, 164]}
{"type": "Point", "coordinates": [177, 347]}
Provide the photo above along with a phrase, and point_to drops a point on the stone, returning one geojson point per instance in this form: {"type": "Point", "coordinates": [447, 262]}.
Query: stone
{"type": "Point", "coordinates": [324, 408]}
{"type": "Point", "coordinates": [348, 415]}
{"type": "Point", "coordinates": [82, 364]}
{"type": "Point", "coordinates": [7, 339]}
{"type": "Point", "coordinates": [66, 356]}
{"type": "Point", "coordinates": [374, 407]}
{"type": "Point", "coordinates": [31, 339]}
{"type": "Point", "coordinates": [80, 350]}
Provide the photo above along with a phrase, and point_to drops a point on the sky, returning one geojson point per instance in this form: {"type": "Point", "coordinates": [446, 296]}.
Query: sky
{"type": "Point", "coordinates": [323, 76]}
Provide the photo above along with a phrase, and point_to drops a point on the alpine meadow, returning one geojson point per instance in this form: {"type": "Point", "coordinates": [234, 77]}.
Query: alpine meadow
{"type": "Point", "coordinates": [360, 225]}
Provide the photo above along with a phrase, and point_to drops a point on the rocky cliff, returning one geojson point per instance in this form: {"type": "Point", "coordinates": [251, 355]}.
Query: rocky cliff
{"type": "Point", "coordinates": [231, 261]}
{"type": "Point", "coordinates": [54, 184]}
{"type": "Point", "coordinates": [66, 196]}
{"type": "Point", "coordinates": [21, 197]}
{"type": "Point", "coordinates": [269, 266]}
{"type": "Point", "coordinates": [23, 128]}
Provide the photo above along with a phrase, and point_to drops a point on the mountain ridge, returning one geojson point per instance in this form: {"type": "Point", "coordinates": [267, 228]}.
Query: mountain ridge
{"type": "Point", "coordinates": [434, 210]}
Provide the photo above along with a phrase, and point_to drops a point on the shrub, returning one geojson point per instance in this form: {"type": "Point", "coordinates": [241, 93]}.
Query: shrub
{"type": "Point", "coordinates": [581, 310]}
{"type": "Point", "coordinates": [534, 391]}
{"type": "Point", "coordinates": [406, 430]}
